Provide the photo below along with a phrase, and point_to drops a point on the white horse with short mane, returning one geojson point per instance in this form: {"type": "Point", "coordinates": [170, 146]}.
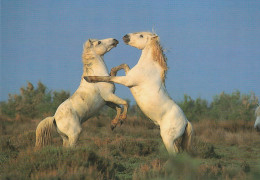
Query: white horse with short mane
{"type": "Point", "coordinates": [257, 121]}
{"type": "Point", "coordinates": [146, 82]}
{"type": "Point", "coordinates": [87, 100]}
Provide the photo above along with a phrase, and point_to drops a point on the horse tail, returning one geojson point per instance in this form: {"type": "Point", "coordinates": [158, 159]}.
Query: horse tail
{"type": "Point", "coordinates": [43, 132]}
{"type": "Point", "coordinates": [187, 137]}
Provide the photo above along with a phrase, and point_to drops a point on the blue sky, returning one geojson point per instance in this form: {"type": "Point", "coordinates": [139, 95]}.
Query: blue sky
{"type": "Point", "coordinates": [212, 46]}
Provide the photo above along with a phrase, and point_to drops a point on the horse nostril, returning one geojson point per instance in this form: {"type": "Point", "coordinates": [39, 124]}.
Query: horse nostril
{"type": "Point", "coordinates": [116, 41]}
{"type": "Point", "coordinates": [126, 38]}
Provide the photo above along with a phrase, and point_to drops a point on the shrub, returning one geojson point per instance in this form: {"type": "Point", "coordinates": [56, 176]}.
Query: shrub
{"type": "Point", "coordinates": [235, 106]}
{"type": "Point", "coordinates": [32, 103]}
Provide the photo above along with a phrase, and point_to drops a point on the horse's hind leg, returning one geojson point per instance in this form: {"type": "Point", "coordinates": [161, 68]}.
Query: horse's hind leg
{"type": "Point", "coordinates": [73, 138]}
{"type": "Point", "coordinates": [64, 137]}
{"type": "Point", "coordinates": [65, 140]}
{"type": "Point", "coordinates": [73, 133]}
{"type": "Point", "coordinates": [69, 131]}
{"type": "Point", "coordinates": [170, 137]}
{"type": "Point", "coordinates": [115, 121]}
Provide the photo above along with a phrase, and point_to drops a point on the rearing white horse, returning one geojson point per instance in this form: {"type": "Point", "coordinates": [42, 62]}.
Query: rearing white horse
{"type": "Point", "coordinates": [257, 121]}
{"type": "Point", "coordinates": [87, 100]}
{"type": "Point", "coordinates": [146, 82]}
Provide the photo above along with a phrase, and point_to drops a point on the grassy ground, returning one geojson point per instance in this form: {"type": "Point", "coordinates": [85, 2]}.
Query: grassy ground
{"type": "Point", "coordinates": [222, 150]}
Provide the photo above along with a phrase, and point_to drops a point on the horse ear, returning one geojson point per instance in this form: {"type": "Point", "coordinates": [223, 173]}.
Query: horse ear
{"type": "Point", "coordinates": [88, 44]}
{"type": "Point", "coordinates": [156, 37]}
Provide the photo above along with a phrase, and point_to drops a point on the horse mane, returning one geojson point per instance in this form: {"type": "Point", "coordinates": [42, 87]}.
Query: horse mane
{"type": "Point", "coordinates": [159, 56]}
{"type": "Point", "coordinates": [87, 56]}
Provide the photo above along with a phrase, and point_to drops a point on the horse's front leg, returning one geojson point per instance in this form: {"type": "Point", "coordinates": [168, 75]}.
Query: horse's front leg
{"type": "Point", "coordinates": [116, 107]}
{"type": "Point", "coordinates": [124, 80]}
{"type": "Point", "coordinates": [119, 117]}
{"type": "Point", "coordinates": [114, 70]}
{"type": "Point", "coordinates": [93, 79]}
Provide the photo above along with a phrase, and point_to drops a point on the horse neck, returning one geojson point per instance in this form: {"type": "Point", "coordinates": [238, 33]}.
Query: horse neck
{"type": "Point", "coordinates": [147, 59]}
{"type": "Point", "coordinates": [146, 56]}
{"type": "Point", "coordinates": [149, 62]}
{"type": "Point", "coordinates": [95, 67]}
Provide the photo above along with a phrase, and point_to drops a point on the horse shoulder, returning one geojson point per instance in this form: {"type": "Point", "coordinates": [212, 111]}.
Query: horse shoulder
{"type": "Point", "coordinates": [136, 75]}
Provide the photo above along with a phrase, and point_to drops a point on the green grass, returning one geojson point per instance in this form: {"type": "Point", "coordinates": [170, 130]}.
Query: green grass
{"type": "Point", "coordinates": [132, 151]}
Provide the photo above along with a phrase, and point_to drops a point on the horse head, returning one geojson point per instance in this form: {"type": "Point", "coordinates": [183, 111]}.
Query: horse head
{"type": "Point", "coordinates": [98, 47]}
{"type": "Point", "coordinates": [140, 39]}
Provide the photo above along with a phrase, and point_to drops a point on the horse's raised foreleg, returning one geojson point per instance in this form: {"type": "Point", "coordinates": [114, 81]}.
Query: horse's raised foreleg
{"type": "Point", "coordinates": [124, 80]}
{"type": "Point", "coordinates": [115, 121]}
{"type": "Point", "coordinates": [116, 101]}
{"type": "Point", "coordinates": [114, 70]}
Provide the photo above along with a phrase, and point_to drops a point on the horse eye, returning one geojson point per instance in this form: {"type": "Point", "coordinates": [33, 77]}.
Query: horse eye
{"type": "Point", "coordinates": [141, 36]}
{"type": "Point", "coordinates": [99, 42]}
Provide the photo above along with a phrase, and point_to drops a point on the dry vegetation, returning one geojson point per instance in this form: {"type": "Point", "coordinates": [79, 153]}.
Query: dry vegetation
{"type": "Point", "coordinates": [222, 150]}
{"type": "Point", "coordinates": [225, 145]}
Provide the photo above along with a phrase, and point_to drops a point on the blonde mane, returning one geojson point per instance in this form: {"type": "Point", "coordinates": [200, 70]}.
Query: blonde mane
{"type": "Point", "coordinates": [159, 56]}
{"type": "Point", "coordinates": [87, 56]}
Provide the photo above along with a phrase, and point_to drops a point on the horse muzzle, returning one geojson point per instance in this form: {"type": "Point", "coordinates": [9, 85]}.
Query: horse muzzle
{"type": "Point", "coordinates": [115, 42]}
{"type": "Point", "coordinates": [126, 39]}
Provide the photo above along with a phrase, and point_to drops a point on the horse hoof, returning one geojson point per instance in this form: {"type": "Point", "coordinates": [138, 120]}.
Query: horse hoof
{"type": "Point", "coordinates": [112, 127]}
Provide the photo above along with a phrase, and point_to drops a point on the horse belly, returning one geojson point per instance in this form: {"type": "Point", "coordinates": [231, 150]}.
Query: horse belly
{"type": "Point", "coordinates": [176, 117]}
{"type": "Point", "coordinates": [152, 103]}
{"type": "Point", "coordinates": [88, 105]}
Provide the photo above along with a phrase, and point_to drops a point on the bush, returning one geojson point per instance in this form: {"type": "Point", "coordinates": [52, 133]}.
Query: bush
{"type": "Point", "coordinates": [37, 103]}
{"type": "Point", "coordinates": [194, 109]}
{"type": "Point", "coordinates": [32, 103]}
{"type": "Point", "coordinates": [235, 106]}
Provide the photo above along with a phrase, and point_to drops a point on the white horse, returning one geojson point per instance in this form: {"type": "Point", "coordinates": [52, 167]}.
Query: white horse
{"type": "Point", "coordinates": [257, 121]}
{"type": "Point", "coordinates": [87, 100]}
{"type": "Point", "coordinates": [146, 82]}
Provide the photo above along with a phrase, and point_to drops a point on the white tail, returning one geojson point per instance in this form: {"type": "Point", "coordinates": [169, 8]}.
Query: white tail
{"type": "Point", "coordinates": [43, 132]}
{"type": "Point", "coordinates": [187, 137]}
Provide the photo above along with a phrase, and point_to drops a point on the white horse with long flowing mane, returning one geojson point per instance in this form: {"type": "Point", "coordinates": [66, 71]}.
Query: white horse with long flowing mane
{"type": "Point", "coordinates": [146, 82]}
{"type": "Point", "coordinates": [257, 121]}
{"type": "Point", "coordinates": [87, 100]}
